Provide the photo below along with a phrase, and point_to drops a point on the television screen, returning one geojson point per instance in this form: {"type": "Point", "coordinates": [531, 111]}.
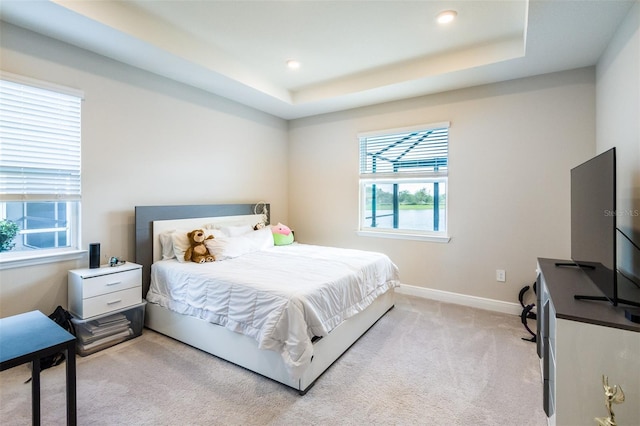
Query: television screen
{"type": "Point", "coordinates": [593, 221]}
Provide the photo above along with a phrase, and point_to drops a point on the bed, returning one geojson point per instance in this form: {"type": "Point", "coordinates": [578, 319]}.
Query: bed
{"type": "Point", "coordinates": [285, 312]}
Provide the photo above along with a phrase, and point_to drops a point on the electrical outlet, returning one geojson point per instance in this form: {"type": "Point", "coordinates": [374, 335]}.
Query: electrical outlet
{"type": "Point", "coordinates": [501, 275]}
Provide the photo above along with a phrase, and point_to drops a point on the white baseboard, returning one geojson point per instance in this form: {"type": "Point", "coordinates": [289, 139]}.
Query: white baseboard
{"type": "Point", "coordinates": [461, 299]}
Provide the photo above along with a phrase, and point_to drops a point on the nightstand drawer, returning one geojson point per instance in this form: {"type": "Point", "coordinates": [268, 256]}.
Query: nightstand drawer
{"type": "Point", "coordinates": [109, 302]}
{"type": "Point", "coordinates": [109, 283]}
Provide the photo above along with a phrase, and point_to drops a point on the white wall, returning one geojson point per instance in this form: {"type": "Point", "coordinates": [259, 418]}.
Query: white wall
{"type": "Point", "coordinates": [512, 145]}
{"type": "Point", "coordinates": [618, 124]}
{"type": "Point", "coordinates": [145, 141]}
{"type": "Point", "coordinates": [144, 138]}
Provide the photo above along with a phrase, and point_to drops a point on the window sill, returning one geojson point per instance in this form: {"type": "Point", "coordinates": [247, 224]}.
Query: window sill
{"type": "Point", "coordinates": [31, 259]}
{"type": "Point", "coordinates": [402, 236]}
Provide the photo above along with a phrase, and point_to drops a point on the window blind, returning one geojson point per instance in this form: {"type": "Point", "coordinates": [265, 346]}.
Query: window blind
{"type": "Point", "coordinates": [39, 144]}
{"type": "Point", "coordinates": [406, 152]}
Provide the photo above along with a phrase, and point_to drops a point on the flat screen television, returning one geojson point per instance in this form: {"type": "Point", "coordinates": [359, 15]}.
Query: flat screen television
{"type": "Point", "coordinates": [593, 226]}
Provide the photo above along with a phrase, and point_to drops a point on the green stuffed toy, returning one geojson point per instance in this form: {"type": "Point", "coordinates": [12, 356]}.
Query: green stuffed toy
{"type": "Point", "coordinates": [282, 235]}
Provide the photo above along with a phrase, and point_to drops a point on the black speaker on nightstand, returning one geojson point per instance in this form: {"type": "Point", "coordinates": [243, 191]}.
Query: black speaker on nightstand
{"type": "Point", "coordinates": [94, 255]}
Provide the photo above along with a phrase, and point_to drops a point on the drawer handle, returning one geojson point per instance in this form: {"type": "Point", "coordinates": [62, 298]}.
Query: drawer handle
{"type": "Point", "coordinates": [113, 302]}
{"type": "Point", "coordinates": [114, 283]}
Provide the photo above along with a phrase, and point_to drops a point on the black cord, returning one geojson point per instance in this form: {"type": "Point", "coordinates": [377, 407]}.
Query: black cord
{"type": "Point", "coordinates": [630, 240]}
{"type": "Point", "coordinates": [636, 246]}
{"type": "Point", "coordinates": [629, 278]}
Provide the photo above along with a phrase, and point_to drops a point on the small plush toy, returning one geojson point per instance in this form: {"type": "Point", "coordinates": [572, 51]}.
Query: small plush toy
{"type": "Point", "coordinates": [197, 251]}
{"type": "Point", "coordinates": [282, 235]}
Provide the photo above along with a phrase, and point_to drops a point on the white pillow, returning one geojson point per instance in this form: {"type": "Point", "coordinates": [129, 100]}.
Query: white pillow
{"type": "Point", "coordinates": [181, 241]}
{"type": "Point", "coordinates": [166, 244]}
{"type": "Point", "coordinates": [230, 247]}
{"type": "Point", "coordinates": [236, 231]}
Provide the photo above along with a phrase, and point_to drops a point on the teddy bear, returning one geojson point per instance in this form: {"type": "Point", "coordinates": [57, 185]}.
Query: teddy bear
{"type": "Point", "coordinates": [197, 251]}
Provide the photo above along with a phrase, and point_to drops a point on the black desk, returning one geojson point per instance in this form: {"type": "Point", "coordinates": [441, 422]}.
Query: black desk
{"type": "Point", "coordinates": [27, 338]}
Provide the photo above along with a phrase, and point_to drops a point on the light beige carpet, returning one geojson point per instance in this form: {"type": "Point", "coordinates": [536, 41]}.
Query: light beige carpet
{"type": "Point", "coordinates": [424, 363]}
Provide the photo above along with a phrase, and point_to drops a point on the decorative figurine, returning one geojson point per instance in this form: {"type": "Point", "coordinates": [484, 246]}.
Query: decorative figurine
{"type": "Point", "coordinates": [612, 395]}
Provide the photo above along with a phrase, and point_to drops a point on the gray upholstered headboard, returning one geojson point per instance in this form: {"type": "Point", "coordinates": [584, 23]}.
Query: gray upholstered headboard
{"type": "Point", "coordinates": [145, 215]}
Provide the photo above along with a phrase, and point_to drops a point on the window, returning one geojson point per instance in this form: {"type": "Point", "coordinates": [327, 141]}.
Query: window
{"type": "Point", "coordinates": [403, 182]}
{"type": "Point", "coordinates": [39, 168]}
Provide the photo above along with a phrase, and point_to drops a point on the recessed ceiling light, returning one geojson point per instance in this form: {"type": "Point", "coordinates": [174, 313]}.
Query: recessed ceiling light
{"type": "Point", "coordinates": [293, 64]}
{"type": "Point", "coordinates": [446, 16]}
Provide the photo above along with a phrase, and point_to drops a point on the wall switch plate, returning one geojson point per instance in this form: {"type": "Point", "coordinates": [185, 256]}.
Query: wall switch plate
{"type": "Point", "coordinates": [501, 275]}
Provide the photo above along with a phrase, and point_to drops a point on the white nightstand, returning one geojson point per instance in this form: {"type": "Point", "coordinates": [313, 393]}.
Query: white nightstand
{"type": "Point", "coordinates": [99, 291]}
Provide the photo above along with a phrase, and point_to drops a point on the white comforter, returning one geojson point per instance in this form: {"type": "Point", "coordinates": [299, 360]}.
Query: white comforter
{"type": "Point", "coordinates": [282, 296]}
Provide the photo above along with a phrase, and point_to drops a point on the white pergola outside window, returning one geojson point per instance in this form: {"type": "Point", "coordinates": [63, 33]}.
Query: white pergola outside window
{"type": "Point", "coordinates": [404, 182]}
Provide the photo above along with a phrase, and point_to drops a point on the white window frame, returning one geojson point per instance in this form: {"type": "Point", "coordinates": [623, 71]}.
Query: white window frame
{"type": "Point", "coordinates": [12, 259]}
{"type": "Point", "coordinates": [407, 177]}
